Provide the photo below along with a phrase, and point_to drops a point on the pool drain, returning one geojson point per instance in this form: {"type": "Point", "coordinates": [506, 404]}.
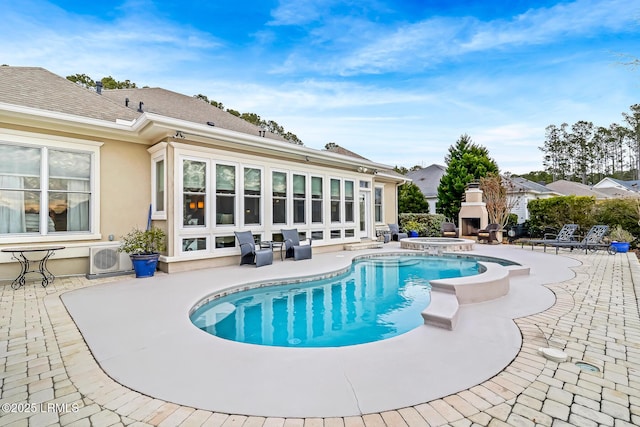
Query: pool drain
{"type": "Point", "coordinates": [587, 367]}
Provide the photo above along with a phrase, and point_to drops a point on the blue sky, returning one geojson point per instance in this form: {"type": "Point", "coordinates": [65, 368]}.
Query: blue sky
{"type": "Point", "coordinates": [395, 81]}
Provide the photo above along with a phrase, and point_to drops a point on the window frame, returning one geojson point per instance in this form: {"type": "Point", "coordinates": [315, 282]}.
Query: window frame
{"type": "Point", "coordinates": [214, 185]}
{"type": "Point", "coordinates": [375, 205]}
{"type": "Point", "coordinates": [158, 154]}
{"type": "Point", "coordinates": [286, 198]}
{"type": "Point", "coordinates": [260, 197]}
{"type": "Point", "coordinates": [50, 142]}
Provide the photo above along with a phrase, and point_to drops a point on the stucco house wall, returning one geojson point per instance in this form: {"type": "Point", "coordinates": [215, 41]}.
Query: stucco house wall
{"type": "Point", "coordinates": [127, 154]}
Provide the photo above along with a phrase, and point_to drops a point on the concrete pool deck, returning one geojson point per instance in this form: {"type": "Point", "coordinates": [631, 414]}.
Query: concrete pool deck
{"type": "Point", "coordinates": [594, 317]}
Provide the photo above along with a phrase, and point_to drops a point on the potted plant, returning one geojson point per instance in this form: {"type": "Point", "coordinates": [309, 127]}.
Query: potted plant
{"type": "Point", "coordinates": [413, 228]}
{"type": "Point", "coordinates": [144, 247]}
{"type": "Point", "coordinates": [620, 238]}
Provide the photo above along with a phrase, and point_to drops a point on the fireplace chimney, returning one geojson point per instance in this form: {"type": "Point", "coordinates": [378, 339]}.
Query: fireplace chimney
{"type": "Point", "coordinates": [473, 214]}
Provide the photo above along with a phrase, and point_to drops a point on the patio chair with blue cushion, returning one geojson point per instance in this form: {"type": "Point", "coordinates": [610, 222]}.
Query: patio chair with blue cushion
{"type": "Point", "coordinates": [396, 235]}
{"type": "Point", "coordinates": [566, 234]}
{"type": "Point", "coordinates": [293, 248]}
{"type": "Point", "coordinates": [252, 254]}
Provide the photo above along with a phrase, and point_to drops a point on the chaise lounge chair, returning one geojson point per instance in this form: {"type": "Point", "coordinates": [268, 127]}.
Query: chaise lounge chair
{"type": "Point", "coordinates": [249, 253]}
{"type": "Point", "coordinates": [293, 248]}
{"type": "Point", "coordinates": [592, 241]}
{"type": "Point", "coordinates": [488, 235]}
{"type": "Point", "coordinates": [565, 235]}
{"type": "Point", "coordinates": [396, 235]}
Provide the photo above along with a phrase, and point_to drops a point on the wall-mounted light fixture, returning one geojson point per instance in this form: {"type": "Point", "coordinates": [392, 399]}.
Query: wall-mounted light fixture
{"type": "Point", "coordinates": [362, 169]}
{"type": "Point", "coordinates": [179, 134]}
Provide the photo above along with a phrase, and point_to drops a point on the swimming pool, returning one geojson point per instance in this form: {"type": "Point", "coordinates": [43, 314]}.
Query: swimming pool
{"type": "Point", "coordinates": [377, 298]}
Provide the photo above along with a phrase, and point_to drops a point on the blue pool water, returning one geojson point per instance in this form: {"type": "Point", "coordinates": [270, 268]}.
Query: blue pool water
{"type": "Point", "coordinates": [377, 298]}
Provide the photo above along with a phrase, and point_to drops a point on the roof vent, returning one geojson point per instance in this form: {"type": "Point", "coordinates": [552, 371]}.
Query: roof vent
{"type": "Point", "coordinates": [99, 87]}
{"type": "Point", "coordinates": [126, 102]}
{"type": "Point", "coordinates": [211, 123]}
{"type": "Point", "coordinates": [140, 107]}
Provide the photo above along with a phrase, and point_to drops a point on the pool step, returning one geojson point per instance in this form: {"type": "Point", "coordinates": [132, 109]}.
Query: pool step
{"type": "Point", "coordinates": [367, 244]}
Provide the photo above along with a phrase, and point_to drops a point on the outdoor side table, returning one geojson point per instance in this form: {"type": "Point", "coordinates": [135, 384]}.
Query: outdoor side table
{"type": "Point", "coordinates": [274, 245]}
{"type": "Point", "coordinates": [19, 254]}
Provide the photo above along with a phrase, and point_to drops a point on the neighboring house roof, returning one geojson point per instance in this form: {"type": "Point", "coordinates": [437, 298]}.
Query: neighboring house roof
{"type": "Point", "coordinates": [527, 186]}
{"type": "Point", "coordinates": [179, 106]}
{"type": "Point", "coordinates": [570, 188]}
{"type": "Point", "coordinates": [428, 179]}
{"type": "Point", "coordinates": [633, 185]}
{"type": "Point", "coordinates": [36, 87]}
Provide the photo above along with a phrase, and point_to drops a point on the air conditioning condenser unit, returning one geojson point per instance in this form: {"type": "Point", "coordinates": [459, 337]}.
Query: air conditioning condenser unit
{"type": "Point", "coordinates": [106, 260]}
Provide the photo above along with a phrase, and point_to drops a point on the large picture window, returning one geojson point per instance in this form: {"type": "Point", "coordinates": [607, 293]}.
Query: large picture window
{"type": "Point", "coordinates": [29, 206]}
{"type": "Point", "coordinates": [225, 194]}
{"type": "Point", "coordinates": [279, 197]}
{"type": "Point", "coordinates": [299, 198]}
{"type": "Point", "coordinates": [194, 192]}
{"type": "Point", "coordinates": [252, 195]}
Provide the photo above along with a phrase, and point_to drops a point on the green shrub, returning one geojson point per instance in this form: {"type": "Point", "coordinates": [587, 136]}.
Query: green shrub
{"type": "Point", "coordinates": [555, 212]}
{"type": "Point", "coordinates": [429, 224]}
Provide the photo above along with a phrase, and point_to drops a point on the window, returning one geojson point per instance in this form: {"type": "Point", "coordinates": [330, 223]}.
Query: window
{"type": "Point", "coordinates": [299, 198]}
{"type": "Point", "coordinates": [44, 190]}
{"type": "Point", "coordinates": [225, 242]}
{"type": "Point", "coordinates": [349, 200]}
{"type": "Point", "coordinates": [158, 181]}
{"type": "Point", "coordinates": [252, 195]}
{"type": "Point", "coordinates": [159, 185]}
{"type": "Point", "coordinates": [225, 194]}
{"type": "Point", "coordinates": [316, 200]}
{"type": "Point", "coordinates": [279, 193]}
{"type": "Point", "coordinates": [194, 192]}
{"type": "Point", "coordinates": [69, 190]}
{"type": "Point", "coordinates": [335, 200]}
{"type": "Point", "coordinates": [317, 235]}
{"type": "Point", "coordinates": [194, 244]}
{"type": "Point", "coordinates": [378, 204]}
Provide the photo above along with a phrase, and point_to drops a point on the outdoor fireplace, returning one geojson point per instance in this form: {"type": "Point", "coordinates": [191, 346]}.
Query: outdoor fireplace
{"type": "Point", "coordinates": [469, 226]}
{"type": "Point", "coordinates": [473, 214]}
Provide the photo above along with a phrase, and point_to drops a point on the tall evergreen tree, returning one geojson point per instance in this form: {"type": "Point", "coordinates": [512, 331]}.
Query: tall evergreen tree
{"type": "Point", "coordinates": [411, 199]}
{"type": "Point", "coordinates": [466, 162]}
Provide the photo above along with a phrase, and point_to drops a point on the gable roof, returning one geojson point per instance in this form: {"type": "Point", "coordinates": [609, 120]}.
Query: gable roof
{"type": "Point", "coordinates": [176, 105]}
{"type": "Point", "coordinates": [41, 89]}
{"type": "Point", "coordinates": [529, 186]}
{"type": "Point", "coordinates": [631, 185]}
{"type": "Point", "coordinates": [570, 188]}
{"type": "Point", "coordinates": [428, 179]}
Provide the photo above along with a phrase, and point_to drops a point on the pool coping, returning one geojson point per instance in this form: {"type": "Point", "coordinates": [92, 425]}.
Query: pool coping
{"type": "Point", "coordinates": [152, 348]}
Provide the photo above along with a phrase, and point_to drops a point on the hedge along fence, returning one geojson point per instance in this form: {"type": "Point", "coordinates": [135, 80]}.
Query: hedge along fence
{"type": "Point", "coordinates": [428, 225]}
{"type": "Point", "coordinates": [584, 211]}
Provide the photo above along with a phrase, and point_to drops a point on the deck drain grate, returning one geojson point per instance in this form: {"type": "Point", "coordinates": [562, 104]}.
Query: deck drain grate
{"type": "Point", "coordinates": [587, 367]}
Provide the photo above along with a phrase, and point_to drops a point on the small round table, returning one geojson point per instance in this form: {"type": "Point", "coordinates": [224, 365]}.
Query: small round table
{"type": "Point", "coordinates": [19, 255]}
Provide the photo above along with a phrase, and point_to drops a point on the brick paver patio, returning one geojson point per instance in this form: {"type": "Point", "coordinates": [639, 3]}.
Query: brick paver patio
{"type": "Point", "coordinates": [49, 377]}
